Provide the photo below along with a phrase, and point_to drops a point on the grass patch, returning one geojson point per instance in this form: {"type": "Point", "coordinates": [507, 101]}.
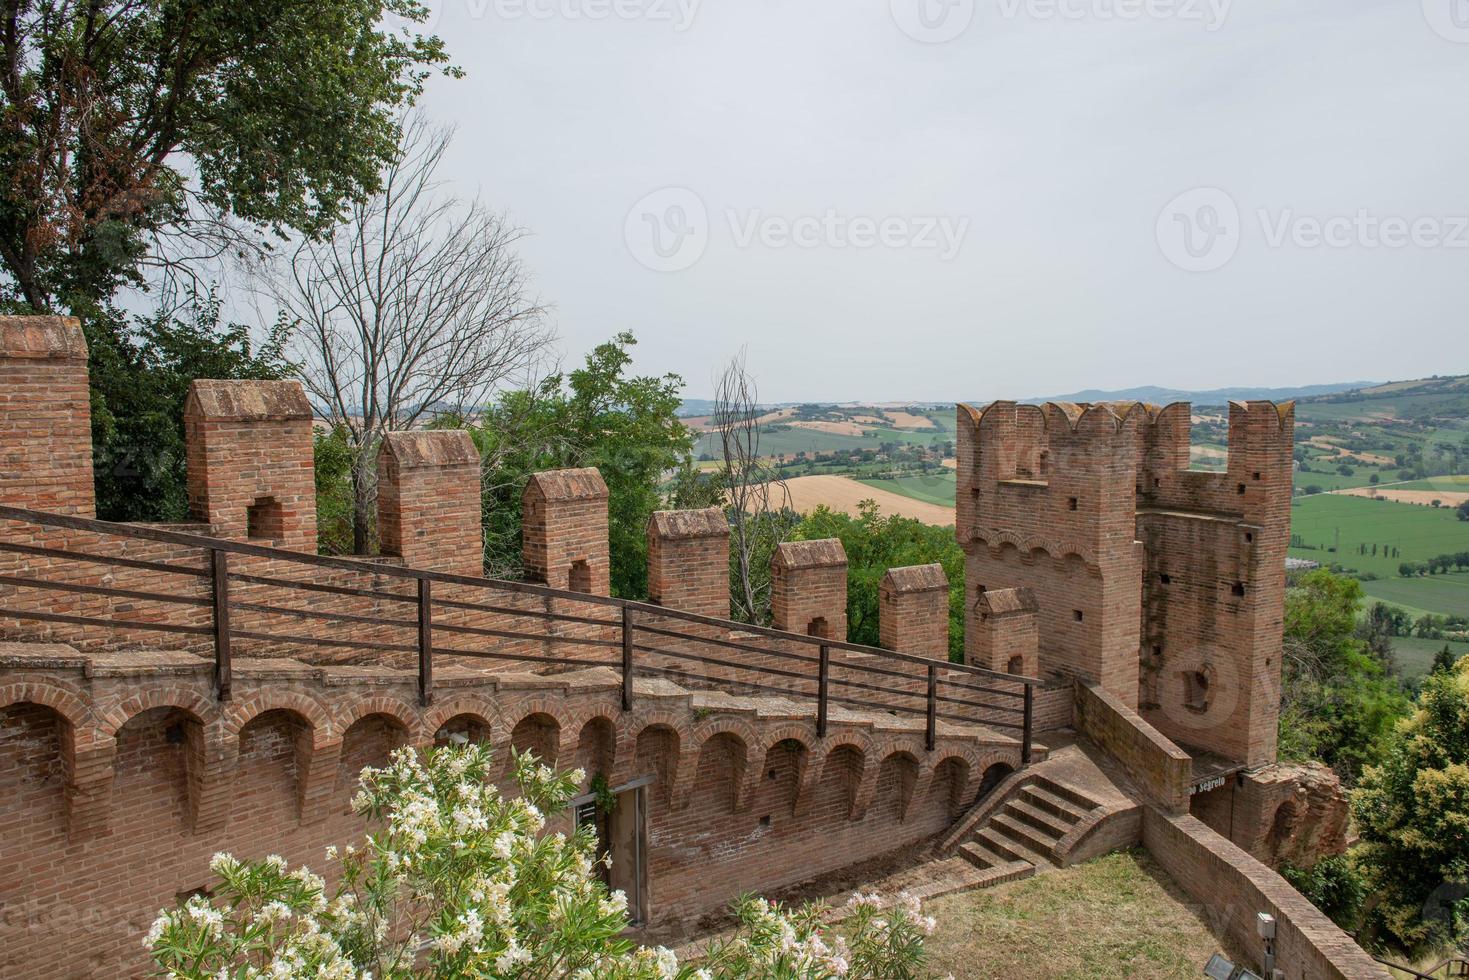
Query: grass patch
{"type": "Point", "coordinates": [1419, 533]}
{"type": "Point", "coordinates": [931, 488]}
{"type": "Point", "coordinates": [1415, 655]}
{"type": "Point", "coordinates": [1118, 916]}
{"type": "Point", "coordinates": [1446, 595]}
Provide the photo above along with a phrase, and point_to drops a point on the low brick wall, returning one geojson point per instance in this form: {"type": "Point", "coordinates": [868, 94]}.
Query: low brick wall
{"type": "Point", "coordinates": [1160, 768]}
{"type": "Point", "coordinates": [1234, 887]}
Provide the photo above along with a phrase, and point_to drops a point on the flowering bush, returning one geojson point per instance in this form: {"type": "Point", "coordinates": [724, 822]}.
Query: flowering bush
{"type": "Point", "coordinates": [458, 880]}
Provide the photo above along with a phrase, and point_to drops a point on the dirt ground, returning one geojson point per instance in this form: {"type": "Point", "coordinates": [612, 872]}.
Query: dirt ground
{"type": "Point", "coordinates": [1425, 498]}
{"type": "Point", "coordinates": [905, 420]}
{"type": "Point", "coordinates": [843, 495]}
{"type": "Point", "coordinates": [835, 428]}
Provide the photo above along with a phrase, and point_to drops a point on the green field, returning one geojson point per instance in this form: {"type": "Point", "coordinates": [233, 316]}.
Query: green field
{"type": "Point", "coordinates": [1447, 595]}
{"type": "Point", "coordinates": [936, 488]}
{"type": "Point", "coordinates": [1415, 655]}
{"type": "Point", "coordinates": [1453, 484]}
{"type": "Point", "coordinates": [1361, 477]}
{"type": "Point", "coordinates": [1344, 523]}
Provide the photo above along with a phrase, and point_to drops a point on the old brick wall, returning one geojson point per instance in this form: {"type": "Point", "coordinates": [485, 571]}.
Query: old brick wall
{"type": "Point", "coordinates": [688, 561]}
{"type": "Point", "coordinates": [428, 501]}
{"type": "Point", "coordinates": [1161, 769]}
{"type": "Point", "coordinates": [808, 589]}
{"type": "Point", "coordinates": [1233, 888]}
{"type": "Point", "coordinates": [1046, 502]}
{"type": "Point", "coordinates": [1214, 587]}
{"type": "Point", "coordinates": [122, 775]}
{"type": "Point", "coordinates": [1001, 632]}
{"type": "Point", "coordinates": [250, 461]}
{"type": "Point", "coordinates": [913, 611]}
{"type": "Point", "coordinates": [46, 416]}
{"type": "Point", "coordinates": [564, 531]}
{"type": "Point", "coordinates": [1293, 813]}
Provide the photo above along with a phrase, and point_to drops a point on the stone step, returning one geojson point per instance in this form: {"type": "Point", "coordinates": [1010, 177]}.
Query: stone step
{"type": "Point", "coordinates": [992, 840]}
{"type": "Point", "coordinates": [1023, 834]}
{"type": "Point", "coordinates": [1048, 824]}
{"type": "Point", "coordinates": [1076, 798]}
{"type": "Point", "coordinates": [1043, 798]}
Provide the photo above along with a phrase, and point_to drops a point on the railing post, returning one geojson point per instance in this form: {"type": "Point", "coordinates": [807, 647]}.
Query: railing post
{"type": "Point", "coordinates": [219, 570]}
{"type": "Point", "coordinates": [933, 706]}
{"type": "Point", "coordinates": [1029, 717]}
{"type": "Point", "coordinates": [425, 642]}
{"type": "Point", "coordinates": [823, 687]}
{"type": "Point", "coordinates": [627, 628]}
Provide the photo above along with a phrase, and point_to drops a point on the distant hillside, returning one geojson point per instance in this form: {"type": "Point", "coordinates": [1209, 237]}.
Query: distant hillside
{"type": "Point", "coordinates": [1218, 396]}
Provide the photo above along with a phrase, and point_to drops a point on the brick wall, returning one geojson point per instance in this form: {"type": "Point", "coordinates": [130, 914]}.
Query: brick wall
{"type": "Point", "coordinates": [1161, 769]}
{"type": "Point", "coordinates": [250, 462]}
{"type": "Point", "coordinates": [564, 531]}
{"type": "Point", "coordinates": [808, 589]}
{"type": "Point", "coordinates": [429, 511]}
{"type": "Point", "coordinates": [121, 775]}
{"type": "Point", "coordinates": [688, 561]}
{"type": "Point", "coordinates": [1233, 888]}
{"type": "Point", "coordinates": [46, 416]}
{"type": "Point", "coordinates": [1288, 812]}
{"type": "Point", "coordinates": [913, 611]}
{"type": "Point", "coordinates": [1001, 632]}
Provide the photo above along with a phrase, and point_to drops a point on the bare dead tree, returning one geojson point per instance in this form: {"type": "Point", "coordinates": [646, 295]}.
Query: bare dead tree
{"type": "Point", "coordinates": [759, 501]}
{"type": "Point", "coordinates": [416, 305]}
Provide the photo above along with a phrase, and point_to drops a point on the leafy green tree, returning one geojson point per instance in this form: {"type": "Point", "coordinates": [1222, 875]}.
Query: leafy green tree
{"type": "Point", "coordinates": [334, 516]}
{"type": "Point", "coordinates": [1339, 702]}
{"type": "Point", "coordinates": [1335, 885]}
{"type": "Point", "coordinates": [1462, 512]}
{"type": "Point", "coordinates": [141, 372]}
{"type": "Point", "coordinates": [136, 132]}
{"type": "Point", "coordinates": [627, 427]}
{"type": "Point", "coordinates": [1444, 660]}
{"type": "Point", "coordinates": [1412, 811]}
{"type": "Point", "coordinates": [874, 543]}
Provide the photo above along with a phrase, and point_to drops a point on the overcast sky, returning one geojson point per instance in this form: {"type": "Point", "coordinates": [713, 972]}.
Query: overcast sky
{"type": "Point", "coordinates": [946, 199]}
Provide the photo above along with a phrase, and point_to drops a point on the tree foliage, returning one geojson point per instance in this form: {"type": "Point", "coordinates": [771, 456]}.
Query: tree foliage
{"type": "Point", "coordinates": [1339, 701]}
{"type": "Point", "coordinates": [136, 131]}
{"type": "Point", "coordinates": [141, 372]}
{"type": "Point", "coordinates": [1412, 811]}
{"type": "Point", "coordinates": [874, 543]}
{"type": "Point", "coordinates": [627, 427]}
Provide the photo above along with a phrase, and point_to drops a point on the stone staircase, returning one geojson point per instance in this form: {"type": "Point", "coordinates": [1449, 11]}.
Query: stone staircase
{"type": "Point", "coordinates": [1027, 830]}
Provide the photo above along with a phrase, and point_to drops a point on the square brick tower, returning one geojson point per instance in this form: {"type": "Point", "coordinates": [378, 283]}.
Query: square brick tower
{"type": "Point", "coordinates": [808, 589]}
{"type": "Point", "coordinates": [1214, 586]}
{"type": "Point", "coordinates": [913, 611]}
{"type": "Point", "coordinates": [428, 501]}
{"type": "Point", "coordinates": [564, 531]}
{"type": "Point", "coordinates": [45, 416]}
{"type": "Point", "coordinates": [688, 561]}
{"type": "Point", "coordinates": [250, 459]}
{"type": "Point", "coordinates": [1005, 636]}
{"type": "Point", "coordinates": [1047, 501]}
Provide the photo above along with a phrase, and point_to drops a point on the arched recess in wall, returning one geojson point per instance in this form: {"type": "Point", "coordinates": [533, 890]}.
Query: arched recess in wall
{"type": "Point", "coordinates": [34, 740]}
{"type": "Point", "coordinates": [1283, 827]}
{"type": "Point", "coordinates": [462, 729]}
{"type": "Point", "coordinates": [897, 778]}
{"type": "Point", "coordinates": [159, 762]}
{"type": "Point", "coordinates": [369, 741]}
{"type": "Point", "coordinates": [780, 776]}
{"type": "Point", "coordinates": [656, 755]}
{"type": "Point", "coordinates": [723, 761]}
{"type": "Point", "coordinates": [537, 733]}
{"type": "Point", "coordinates": [596, 748]}
{"type": "Point", "coordinates": [274, 750]}
{"type": "Point", "coordinates": [841, 781]}
{"type": "Point", "coordinates": [993, 776]}
{"type": "Point", "coordinates": [950, 778]}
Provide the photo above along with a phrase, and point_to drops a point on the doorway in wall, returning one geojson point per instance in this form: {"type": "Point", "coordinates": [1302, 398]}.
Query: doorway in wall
{"type": "Point", "coordinates": [622, 834]}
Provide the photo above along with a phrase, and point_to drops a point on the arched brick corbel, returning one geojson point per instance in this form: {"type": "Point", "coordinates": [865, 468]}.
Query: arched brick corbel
{"type": "Point", "coordinates": [213, 754]}
{"type": "Point", "coordinates": [316, 778]}
{"type": "Point", "coordinates": [90, 760]}
{"type": "Point", "coordinates": [866, 788]}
